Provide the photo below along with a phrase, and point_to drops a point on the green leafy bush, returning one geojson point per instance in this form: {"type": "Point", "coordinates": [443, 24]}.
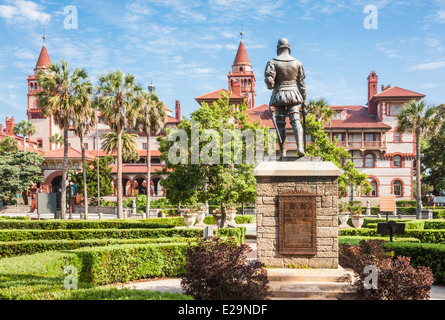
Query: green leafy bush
{"type": "Point", "coordinates": [406, 203]}
{"type": "Point", "coordinates": [14, 218]}
{"type": "Point", "coordinates": [219, 270]}
{"type": "Point", "coordinates": [423, 254]}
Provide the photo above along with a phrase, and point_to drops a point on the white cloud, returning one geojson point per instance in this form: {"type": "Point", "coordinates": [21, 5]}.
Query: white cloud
{"type": "Point", "coordinates": [428, 66]}
{"type": "Point", "coordinates": [23, 11]}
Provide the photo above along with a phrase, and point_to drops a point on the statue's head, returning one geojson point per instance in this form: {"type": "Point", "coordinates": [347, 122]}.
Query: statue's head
{"type": "Point", "coordinates": [283, 43]}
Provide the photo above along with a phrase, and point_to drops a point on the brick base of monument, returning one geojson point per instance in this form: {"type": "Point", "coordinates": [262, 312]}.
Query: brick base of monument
{"type": "Point", "coordinates": [297, 214]}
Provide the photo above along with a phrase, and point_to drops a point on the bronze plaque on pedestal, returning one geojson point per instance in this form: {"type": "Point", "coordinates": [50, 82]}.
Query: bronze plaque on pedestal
{"type": "Point", "coordinates": [297, 215]}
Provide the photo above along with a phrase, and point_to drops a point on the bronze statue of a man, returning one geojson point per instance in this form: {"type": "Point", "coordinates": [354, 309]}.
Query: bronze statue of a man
{"type": "Point", "coordinates": [285, 75]}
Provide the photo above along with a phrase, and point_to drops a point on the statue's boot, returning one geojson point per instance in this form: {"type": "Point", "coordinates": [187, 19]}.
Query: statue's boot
{"type": "Point", "coordinates": [298, 133]}
{"type": "Point", "coordinates": [281, 124]}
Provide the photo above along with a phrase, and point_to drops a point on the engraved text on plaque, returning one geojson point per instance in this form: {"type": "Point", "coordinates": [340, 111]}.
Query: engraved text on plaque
{"type": "Point", "coordinates": [297, 224]}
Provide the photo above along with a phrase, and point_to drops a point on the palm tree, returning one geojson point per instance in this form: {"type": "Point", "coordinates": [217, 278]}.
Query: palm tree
{"type": "Point", "coordinates": [152, 119]}
{"type": "Point", "coordinates": [57, 139]}
{"type": "Point", "coordinates": [26, 129]}
{"type": "Point", "coordinates": [321, 109]}
{"type": "Point", "coordinates": [129, 146]}
{"type": "Point", "coordinates": [61, 89]}
{"type": "Point", "coordinates": [84, 121]}
{"type": "Point", "coordinates": [117, 99]}
{"type": "Point", "coordinates": [421, 119]}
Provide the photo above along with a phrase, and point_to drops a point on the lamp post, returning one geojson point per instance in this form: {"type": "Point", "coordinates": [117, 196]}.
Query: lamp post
{"type": "Point", "coordinates": [69, 194]}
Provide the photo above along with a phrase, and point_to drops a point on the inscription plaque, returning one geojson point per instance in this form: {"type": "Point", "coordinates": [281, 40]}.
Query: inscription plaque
{"type": "Point", "coordinates": [297, 217]}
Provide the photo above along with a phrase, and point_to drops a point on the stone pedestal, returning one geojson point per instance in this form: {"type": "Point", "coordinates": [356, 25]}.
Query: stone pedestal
{"type": "Point", "coordinates": [297, 214]}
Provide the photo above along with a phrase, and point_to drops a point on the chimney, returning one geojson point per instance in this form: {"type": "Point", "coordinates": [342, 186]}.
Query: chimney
{"type": "Point", "coordinates": [10, 126]}
{"type": "Point", "coordinates": [386, 87]}
{"type": "Point", "coordinates": [372, 91]}
{"type": "Point", "coordinates": [178, 110]}
{"type": "Point", "coordinates": [236, 87]}
{"type": "Point", "coordinates": [1, 128]}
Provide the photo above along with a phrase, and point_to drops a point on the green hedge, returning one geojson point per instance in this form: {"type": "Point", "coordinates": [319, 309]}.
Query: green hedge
{"type": "Point", "coordinates": [22, 235]}
{"type": "Point", "coordinates": [93, 224]}
{"type": "Point", "coordinates": [425, 236]}
{"type": "Point", "coordinates": [17, 248]}
{"type": "Point", "coordinates": [423, 254]}
{"type": "Point", "coordinates": [14, 218]}
{"type": "Point", "coordinates": [356, 240]}
{"type": "Point", "coordinates": [239, 219]}
{"type": "Point", "coordinates": [41, 276]}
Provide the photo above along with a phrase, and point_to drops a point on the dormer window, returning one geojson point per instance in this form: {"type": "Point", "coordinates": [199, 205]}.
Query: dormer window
{"type": "Point", "coordinates": [338, 115]}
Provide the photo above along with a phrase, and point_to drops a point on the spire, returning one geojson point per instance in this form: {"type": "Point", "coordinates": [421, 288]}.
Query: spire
{"type": "Point", "coordinates": [241, 56]}
{"type": "Point", "coordinates": [44, 61]}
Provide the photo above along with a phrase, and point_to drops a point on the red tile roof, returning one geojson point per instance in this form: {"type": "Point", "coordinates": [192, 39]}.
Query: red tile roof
{"type": "Point", "coordinates": [215, 95]}
{"type": "Point", "coordinates": [72, 154]}
{"type": "Point", "coordinates": [142, 153]}
{"type": "Point", "coordinates": [356, 117]}
{"type": "Point", "coordinates": [241, 56]}
{"type": "Point", "coordinates": [396, 92]}
{"type": "Point", "coordinates": [171, 120]}
{"type": "Point", "coordinates": [44, 60]}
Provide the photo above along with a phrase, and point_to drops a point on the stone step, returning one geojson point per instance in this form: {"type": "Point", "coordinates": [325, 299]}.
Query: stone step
{"type": "Point", "coordinates": [315, 291]}
{"type": "Point", "coordinates": [310, 275]}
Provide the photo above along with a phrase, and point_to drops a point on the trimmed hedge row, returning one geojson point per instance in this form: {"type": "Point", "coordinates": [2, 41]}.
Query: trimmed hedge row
{"type": "Point", "coordinates": [425, 236]}
{"type": "Point", "coordinates": [44, 272]}
{"type": "Point", "coordinates": [239, 219]}
{"type": "Point", "coordinates": [355, 240]}
{"type": "Point", "coordinates": [22, 235]}
{"type": "Point", "coordinates": [423, 254]}
{"type": "Point", "coordinates": [14, 218]}
{"type": "Point", "coordinates": [17, 248]}
{"type": "Point", "coordinates": [93, 224]}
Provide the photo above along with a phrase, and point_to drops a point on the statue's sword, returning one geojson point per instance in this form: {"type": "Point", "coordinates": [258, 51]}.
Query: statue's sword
{"type": "Point", "coordinates": [303, 111]}
{"type": "Point", "coordinates": [275, 125]}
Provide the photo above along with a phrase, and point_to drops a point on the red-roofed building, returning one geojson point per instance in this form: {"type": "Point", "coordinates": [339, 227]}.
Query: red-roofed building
{"type": "Point", "coordinates": [370, 135]}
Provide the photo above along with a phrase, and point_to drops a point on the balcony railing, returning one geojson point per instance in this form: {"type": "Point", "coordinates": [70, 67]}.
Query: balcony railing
{"type": "Point", "coordinates": [362, 145]}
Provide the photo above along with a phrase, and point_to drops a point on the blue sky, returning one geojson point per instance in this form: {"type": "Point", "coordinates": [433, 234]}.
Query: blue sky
{"type": "Point", "coordinates": [186, 48]}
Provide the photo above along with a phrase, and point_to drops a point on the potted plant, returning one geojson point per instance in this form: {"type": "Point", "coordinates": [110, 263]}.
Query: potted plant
{"type": "Point", "coordinates": [189, 217]}
{"type": "Point", "coordinates": [231, 213]}
{"type": "Point", "coordinates": [343, 214]}
{"type": "Point", "coordinates": [217, 216]}
{"type": "Point", "coordinates": [357, 218]}
{"type": "Point", "coordinates": [201, 211]}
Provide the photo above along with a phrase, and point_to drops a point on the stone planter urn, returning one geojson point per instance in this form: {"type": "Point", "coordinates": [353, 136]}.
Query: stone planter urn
{"type": "Point", "coordinates": [343, 217]}
{"type": "Point", "coordinates": [217, 217]}
{"type": "Point", "coordinates": [190, 219]}
{"type": "Point", "coordinates": [231, 214]}
{"type": "Point", "coordinates": [200, 218]}
{"type": "Point", "coordinates": [357, 220]}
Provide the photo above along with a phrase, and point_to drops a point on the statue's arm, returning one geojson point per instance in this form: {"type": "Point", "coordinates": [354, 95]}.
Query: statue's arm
{"type": "Point", "coordinates": [300, 82]}
{"type": "Point", "coordinates": [269, 75]}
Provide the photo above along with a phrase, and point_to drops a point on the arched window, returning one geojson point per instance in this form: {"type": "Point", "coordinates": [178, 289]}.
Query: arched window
{"type": "Point", "coordinates": [397, 161]}
{"type": "Point", "coordinates": [397, 188]}
{"type": "Point", "coordinates": [32, 86]}
{"type": "Point", "coordinates": [369, 161]}
{"type": "Point", "coordinates": [373, 192]}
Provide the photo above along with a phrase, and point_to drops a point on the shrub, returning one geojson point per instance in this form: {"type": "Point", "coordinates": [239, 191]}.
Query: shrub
{"type": "Point", "coordinates": [17, 248]}
{"type": "Point", "coordinates": [92, 224]}
{"type": "Point", "coordinates": [396, 278]}
{"type": "Point", "coordinates": [423, 254]}
{"type": "Point", "coordinates": [218, 270]}
{"type": "Point", "coordinates": [406, 203]}
{"type": "Point", "coordinates": [22, 235]}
